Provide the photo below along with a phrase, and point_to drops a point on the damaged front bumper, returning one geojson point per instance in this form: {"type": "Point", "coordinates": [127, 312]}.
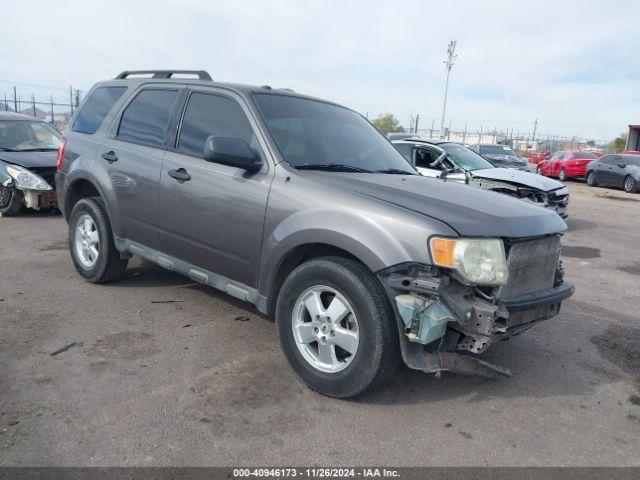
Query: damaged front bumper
{"type": "Point", "coordinates": [443, 325]}
{"type": "Point", "coordinates": [43, 197]}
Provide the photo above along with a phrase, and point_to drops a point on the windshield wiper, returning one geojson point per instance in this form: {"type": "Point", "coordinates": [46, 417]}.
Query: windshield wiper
{"type": "Point", "coordinates": [394, 171]}
{"type": "Point", "coordinates": [332, 167]}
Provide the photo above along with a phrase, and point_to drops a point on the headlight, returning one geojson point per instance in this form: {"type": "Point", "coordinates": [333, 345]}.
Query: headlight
{"type": "Point", "coordinates": [26, 179]}
{"type": "Point", "coordinates": [480, 261]}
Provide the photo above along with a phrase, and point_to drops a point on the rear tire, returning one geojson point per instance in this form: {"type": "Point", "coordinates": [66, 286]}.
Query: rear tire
{"type": "Point", "coordinates": [630, 184]}
{"type": "Point", "coordinates": [11, 201]}
{"type": "Point", "coordinates": [91, 243]}
{"type": "Point", "coordinates": [562, 175]}
{"type": "Point", "coordinates": [592, 179]}
{"type": "Point", "coordinates": [376, 351]}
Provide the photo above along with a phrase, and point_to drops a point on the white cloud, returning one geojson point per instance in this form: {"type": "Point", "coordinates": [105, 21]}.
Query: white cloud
{"type": "Point", "coordinates": [573, 65]}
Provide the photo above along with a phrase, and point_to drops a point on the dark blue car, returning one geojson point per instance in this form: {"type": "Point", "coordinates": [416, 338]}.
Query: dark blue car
{"type": "Point", "coordinates": [621, 171]}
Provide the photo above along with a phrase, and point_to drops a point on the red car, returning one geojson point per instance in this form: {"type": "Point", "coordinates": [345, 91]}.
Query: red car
{"type": "Point", "coordinates": [539, 157]}
{"type": "Point", "coordinates": [566, 164]}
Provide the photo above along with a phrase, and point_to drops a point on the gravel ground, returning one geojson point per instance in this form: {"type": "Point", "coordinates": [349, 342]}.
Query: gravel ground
{"type": "Point", "coordinates": [166, 372]}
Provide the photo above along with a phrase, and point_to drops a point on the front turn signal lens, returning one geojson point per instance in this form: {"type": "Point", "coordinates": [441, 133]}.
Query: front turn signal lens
{"type": "Point", "coordinates": [442, 251]}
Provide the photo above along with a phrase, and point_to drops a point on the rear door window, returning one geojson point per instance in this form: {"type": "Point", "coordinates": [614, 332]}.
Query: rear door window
{"type": "Point", "coordinates": [210, 114]}
{"type": "Point", "coordinates": [95, 108]}
{"type": "Point", "coordinates": [146, 118]}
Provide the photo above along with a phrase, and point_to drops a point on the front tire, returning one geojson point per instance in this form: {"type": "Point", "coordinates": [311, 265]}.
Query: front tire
{"type": "Point", "coordinates": [11, 201]}
{"type": "Point", "coordinates": [91, 243]}
{"type": "Point", "coordinates": [336, 327]}
{"type": "Point", "coordinates": [562, 175]}
{"type": "Point", "coordinates": [630, 184]}
{"type": "Point", "coordinates": [592, 180]}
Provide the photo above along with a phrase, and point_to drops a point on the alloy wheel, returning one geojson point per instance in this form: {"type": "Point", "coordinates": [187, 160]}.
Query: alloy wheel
{"type": "Point", "coordinates": [87, 241]}
{"type": "Point", "coordinates": [325, 329]}
{"type": "Point", "coordinates": [629, 184]}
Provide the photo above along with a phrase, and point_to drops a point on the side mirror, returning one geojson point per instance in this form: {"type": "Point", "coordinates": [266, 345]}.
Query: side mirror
{"type": "Point", "coordinates": [231, 151]}
{"type": "Point", "coordinates": [621, 164]}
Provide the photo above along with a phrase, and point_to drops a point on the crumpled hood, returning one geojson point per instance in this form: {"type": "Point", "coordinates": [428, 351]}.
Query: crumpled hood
{"type": "Point", "coordinates": [30, 159]}
{"type": "Point", "coordinates": [526, 179]}
{"type": "Point", "coordinates": [469, 211]}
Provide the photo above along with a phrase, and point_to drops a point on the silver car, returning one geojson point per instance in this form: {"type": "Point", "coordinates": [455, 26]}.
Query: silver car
{"type": "Point", "coordinates": [455, 162]}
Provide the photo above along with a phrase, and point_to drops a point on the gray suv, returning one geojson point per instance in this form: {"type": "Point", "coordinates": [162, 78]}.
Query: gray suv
{"type": "Point", "coordinates": [301, 207]}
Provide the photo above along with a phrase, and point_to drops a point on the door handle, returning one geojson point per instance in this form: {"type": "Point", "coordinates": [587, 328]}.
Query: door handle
{"type": "Point", "coordinates": [110, 156]}
{"type": "Point", "coordinates": [180, 174]}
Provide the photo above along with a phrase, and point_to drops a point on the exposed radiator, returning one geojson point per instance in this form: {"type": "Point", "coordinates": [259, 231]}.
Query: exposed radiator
{"type": "Point", "coordinates": [532, 266]}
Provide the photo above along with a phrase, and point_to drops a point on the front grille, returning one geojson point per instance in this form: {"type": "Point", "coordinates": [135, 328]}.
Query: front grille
{"type": "Point", "coordinates": [532, 266]}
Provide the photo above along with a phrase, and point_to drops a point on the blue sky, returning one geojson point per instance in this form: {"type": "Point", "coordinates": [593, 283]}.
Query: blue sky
{"type": "Point", "coordinates": [574, 65]}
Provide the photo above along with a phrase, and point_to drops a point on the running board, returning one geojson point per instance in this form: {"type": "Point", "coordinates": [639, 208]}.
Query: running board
{"type": "Point", "coordinates": [233, 288]}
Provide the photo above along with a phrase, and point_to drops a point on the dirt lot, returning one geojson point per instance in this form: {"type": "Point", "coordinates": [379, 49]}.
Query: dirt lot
{"type": "Point", "coordinates": [166, 372]}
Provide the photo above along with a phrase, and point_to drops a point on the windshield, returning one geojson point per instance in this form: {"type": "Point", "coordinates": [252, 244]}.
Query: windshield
{"type": "Point", "coordinates": [463, 157]}
{"type": "Point", "coordinates": [23, 135]}
{"type": "Point", "coordinates": [312, 134]}
{"type": "Point", "coordinates": [497, 150]}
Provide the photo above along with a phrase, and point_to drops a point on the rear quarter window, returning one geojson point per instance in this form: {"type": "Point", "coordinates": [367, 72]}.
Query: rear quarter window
{"type": "Point", "coordinates": [95, 108]}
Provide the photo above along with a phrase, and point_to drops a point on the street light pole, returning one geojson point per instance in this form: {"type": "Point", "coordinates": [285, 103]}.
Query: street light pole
{"type": "Point", "coordinates": [451, 56]}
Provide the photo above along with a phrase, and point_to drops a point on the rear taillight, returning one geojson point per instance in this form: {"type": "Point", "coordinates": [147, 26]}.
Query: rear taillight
{"type": "Point", "coordinates": [61, 149]}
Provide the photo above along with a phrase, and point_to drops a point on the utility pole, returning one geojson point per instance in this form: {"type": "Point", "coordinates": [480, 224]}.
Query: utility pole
{"type": "Point", "coordinates": [33, 102]}
{"type": "Point", "coordinates": [451, 57]}
{"type": "Point", "coordinates": [433, 120]}
{"type": "Point", "coordinates": [71, 99]}
{"type": "Point", "coordinates": [535, 127]}
{"type": "Point", "coordinates": [415, 125]}
{"type": "Point", "coordinates": [53, 122]}
{"type": "Point", "coordinates": [15, 99]}
{"type": "Point", "coordinates": [464, 134]}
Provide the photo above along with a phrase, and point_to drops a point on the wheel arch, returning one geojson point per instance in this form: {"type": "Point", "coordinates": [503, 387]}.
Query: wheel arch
{"type": "Point", "coordinates": [83, 184]}
{"type": "Point", "coordinates": [278, 265]}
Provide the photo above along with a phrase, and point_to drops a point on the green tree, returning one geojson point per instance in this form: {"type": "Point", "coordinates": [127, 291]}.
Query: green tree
{"type": "Point", "coordinates": [619, 143]}
{"type": "Point", "coordinates": [387, 124]}
{"type": "Point", "coordinates": [591, 143]}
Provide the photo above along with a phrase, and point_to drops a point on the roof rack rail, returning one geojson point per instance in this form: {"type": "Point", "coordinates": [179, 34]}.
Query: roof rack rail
{"type": "Point", "coordinates": [202, 75]}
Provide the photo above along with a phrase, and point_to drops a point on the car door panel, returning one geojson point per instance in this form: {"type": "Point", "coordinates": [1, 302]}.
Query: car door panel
{"type": "Point", "coordinates": [133, 154]}
{"type": "Point", "coordinates": [213, 220]}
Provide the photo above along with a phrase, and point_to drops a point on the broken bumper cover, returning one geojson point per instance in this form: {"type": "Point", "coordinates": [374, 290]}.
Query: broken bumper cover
{"type": "Point", "coordinates": [443, 324]}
